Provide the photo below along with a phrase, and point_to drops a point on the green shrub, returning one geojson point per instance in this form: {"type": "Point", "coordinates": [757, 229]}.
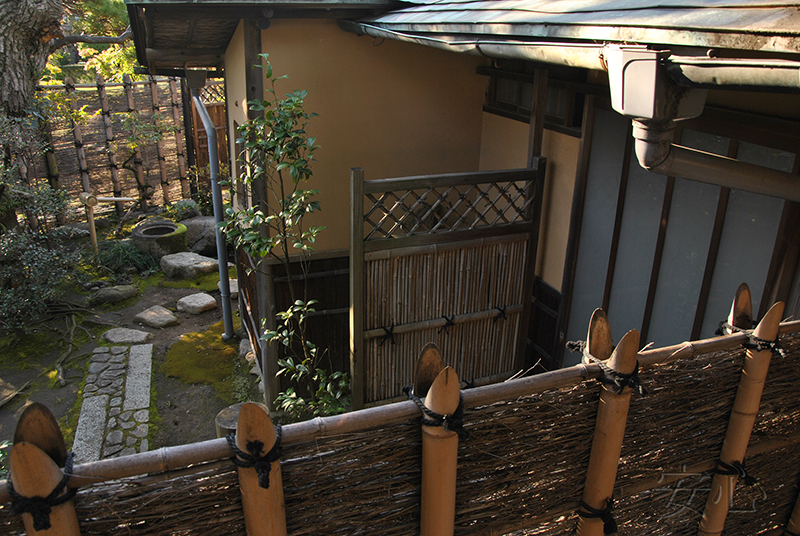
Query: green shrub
{"type": "Point", "coordinates": [30, 277]}
{"type": "Point", "coordinates": [120, 254]}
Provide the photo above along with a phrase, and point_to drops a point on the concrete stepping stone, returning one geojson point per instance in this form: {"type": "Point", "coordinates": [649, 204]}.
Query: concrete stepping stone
{"type": "Point", "coordinates": [137, 381]}
{"type": "Point", "coordinates": [197, 303]}
{"type": "Point", "coordinates": [186, 265]}
{"type": "Point", "coordinates": [157, 317]}
{"type": "Point", "coordinates": [90, 432]}
{"type": "Point", "coordinates": [126, 336]}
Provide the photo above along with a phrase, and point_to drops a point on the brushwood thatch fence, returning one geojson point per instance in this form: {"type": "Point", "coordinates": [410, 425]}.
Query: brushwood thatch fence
{"type": "Point", "coordinates": [92, 156]}
{"type": "Point", "coordinates": [523, 468]}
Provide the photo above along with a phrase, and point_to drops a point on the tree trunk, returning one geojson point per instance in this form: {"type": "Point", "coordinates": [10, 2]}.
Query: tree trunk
{"type": "Point", "coordinates": [26, 29]}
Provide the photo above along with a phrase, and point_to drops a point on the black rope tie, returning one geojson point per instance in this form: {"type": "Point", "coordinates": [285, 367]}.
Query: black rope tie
{"type": "Point", "coordinates": [262, 464]}
{"type": "Point", "coordinates": [501, 315]}
{"type": "Point", "coordinates": [617, 380]}
{"type": "Point", "coordinates": [388, 335]}
{"type": "Point", "coordinates": [753, 342]}
{"type": "Point", "coordinates": [735, 469]}
{"type": "Point", "coordinates": [40, 507]}
{"type": "Point", "coordinates": [609, 523]}
{"type": "Point", "coordinates": [451, 423]}
{"type": "Point", "coordinates": [448, 322]}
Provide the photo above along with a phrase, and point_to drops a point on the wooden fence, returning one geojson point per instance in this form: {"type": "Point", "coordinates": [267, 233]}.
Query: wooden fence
{"type": "Point", "coordinates": [446, 259]}
{"type": "Point", "coordinates": [92, 155]}
{"type": "Point", "coordinates": [536, 447]}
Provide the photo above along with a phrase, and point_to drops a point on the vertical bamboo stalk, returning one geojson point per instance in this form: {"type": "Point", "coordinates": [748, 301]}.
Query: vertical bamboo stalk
{"type": "Point", "coordinates": [78, 135]}
{"type": "Point", "coordinates": [612, 415]}
{"type": "Point", "coordinates": [137, 155]}
{"type": "Point", "coordinates": [357, 346]}
{"type": "Point", "coordinates": [105, 111]}
{"type": "Point", "coordinates": [740, 426]}
{"type": "Point", "coordinates": [264, 512]}
{"type": "Point", "coordinates": [162, 160]}
{"type": "Point", "coordinates": [35, 474]}
{"type": "Point", "coordinates": [439, 459]}
{"type": "Point", "coordinates": [179, 133]}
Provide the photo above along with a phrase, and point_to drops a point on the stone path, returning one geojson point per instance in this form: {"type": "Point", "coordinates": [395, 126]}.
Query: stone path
{"type": "Point", "coordinates": [115, 413]}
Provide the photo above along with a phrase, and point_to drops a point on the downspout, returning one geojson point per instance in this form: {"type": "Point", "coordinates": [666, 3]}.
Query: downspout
{"type": "Point", "coordinates": [196, 80]}
{"type": "Point", "coordinates": [641, 90]}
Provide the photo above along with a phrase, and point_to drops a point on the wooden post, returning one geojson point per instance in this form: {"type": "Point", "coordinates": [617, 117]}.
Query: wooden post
{"type": "Point", "coordinates": [162, 160]}
{"type": "Point", "coordinates": [357, 345]}
{"type": "Point", "coordinates": [105, 111]}
{"type": "Point", "coordinates": [36, 475]}
{"type": "Point", "coordinates": [264, 513]}
{"type": "Point", "coordinates": [89, 201]}
{"type": "Point", "coordinates": [176, 116]}
{"type": "Point", "coordinates": [34, 462]}
{"type": "Point", "coordinates": [78, 134]}
{"type": "Point", "coordinates": [137, 156]}
{"type": "Point", "coordinates": [439, 459]}
{"type": "Point", "coordinates": [740, 426]}
{"type": "Point", "coordinates": [612, 415]}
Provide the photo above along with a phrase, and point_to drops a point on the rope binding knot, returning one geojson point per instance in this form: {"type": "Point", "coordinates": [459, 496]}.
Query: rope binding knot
{"type": "Point", "coordinates": [735, 469]}
{"type": "Point", "coordinates": [616, 380]}
{"type": "Point", "coordinates": [451, 423]}
{"type": "Point", "coordinates": [253, 458]}
{"type": "Point", "coordinates": [605, 515]}
{"type": "Point", "coordinates": [40, 507]}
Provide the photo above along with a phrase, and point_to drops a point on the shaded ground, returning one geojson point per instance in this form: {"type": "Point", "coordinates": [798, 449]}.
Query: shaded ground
{"type": "Point", "coordinates": [184, 412]}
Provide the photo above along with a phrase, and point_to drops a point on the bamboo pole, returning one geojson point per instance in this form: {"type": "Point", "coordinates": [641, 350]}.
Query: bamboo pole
{"type": "Point", "coordinates": [357, 346]}
{"type": "Point", "coordinates": [162, 160]}
{"type": "Point", "coordinates": [264, 513]}
{"type": "Point", "coordinates": [37, 425]}
{"type": "Point", "coordinates": [177, 457]}
{"type": "Point", "coordinates": [35, 474]}
{"type": "Point", "coordinates": [179, 133]}
{"type": "Point", "coordinates": [105, 111]}
{"type": "Point", "coordinates": [439, 459]}
{"type": "Point", "coordinates": [78, 135]}
{"type": "Point", "coordinates": [137, 155]}
{"type": "Point", "coordinates": [598, 341]}
{"type": "Point", "coordinates": [612, 415]}
{"type": "Point", "coordinates": [740, 426]}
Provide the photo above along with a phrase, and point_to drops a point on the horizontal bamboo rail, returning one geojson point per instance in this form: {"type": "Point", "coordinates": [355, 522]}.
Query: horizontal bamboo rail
{"type": "Point", "coordinates": [179, 457]}
{"type": "Point", "coordinates": [441, 322]}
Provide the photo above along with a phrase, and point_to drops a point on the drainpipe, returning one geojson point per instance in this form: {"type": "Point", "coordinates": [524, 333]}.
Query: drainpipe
{"type": "Point", "coordinates": [196, 80]}
{"type": "Point", "coordinates": [642, 90]}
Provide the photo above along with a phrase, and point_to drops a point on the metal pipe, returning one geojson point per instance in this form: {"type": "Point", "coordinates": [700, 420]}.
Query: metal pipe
{"type": "Point", "coordinates": [656, 152]}
{"type": "Point", "coordinates": [216, 194]}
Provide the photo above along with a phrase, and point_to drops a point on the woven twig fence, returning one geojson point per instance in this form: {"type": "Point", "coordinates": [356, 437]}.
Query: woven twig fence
{"type": "Point", "coordinates": [520, 471]}
{"type": "Point", "coordinates": [92, 153]}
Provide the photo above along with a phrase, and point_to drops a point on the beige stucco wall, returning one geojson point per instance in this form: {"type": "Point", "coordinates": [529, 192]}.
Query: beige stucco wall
{"type": "Point", "coordinates": [505, 145]}
{"type": "Point", "coordinates": [392, 108]}
{"type": "Point", "coordinates": [235, 86]}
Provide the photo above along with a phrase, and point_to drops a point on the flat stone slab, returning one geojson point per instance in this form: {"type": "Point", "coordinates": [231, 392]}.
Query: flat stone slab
{"type": "Point", "coordinates": [114, 294]}
{"type": "Point", "coordinates": [197, 303]}
{"type": "Point", "coordinates": [186, 265]}
{"type": "Point", "coordinates": [126, 336]}
{"type": "Point", "coordinates": [90, 432]}
{"type": "Point", "coordinates": [157, 317]}
{"type": "Point", "coordinates": [233, 285]}
{"type": "Point", "coordinates": [137, 382]}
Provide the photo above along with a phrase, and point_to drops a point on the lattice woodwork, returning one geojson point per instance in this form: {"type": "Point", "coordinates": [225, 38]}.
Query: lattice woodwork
{"type": "Point", "coordinates": [213, 92]}
{"type": "Point", "coordinates": [411, 212]}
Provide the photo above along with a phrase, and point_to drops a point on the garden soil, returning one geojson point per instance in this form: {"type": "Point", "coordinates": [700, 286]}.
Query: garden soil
{"type": "Point", "coordinates": [184, 412]}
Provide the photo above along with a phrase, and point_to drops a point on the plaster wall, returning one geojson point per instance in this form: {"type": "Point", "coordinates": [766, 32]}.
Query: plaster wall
{"type": "Point", "coordinates": [235, 87]}
{"type": "Point", "coordinates": [392, 108]}
{"type": "Point", "coordinates": [504, 145]}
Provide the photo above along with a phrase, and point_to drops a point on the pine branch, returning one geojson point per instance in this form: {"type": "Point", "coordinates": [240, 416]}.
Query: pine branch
{"type": "Point", "coordinates": [55, 44]}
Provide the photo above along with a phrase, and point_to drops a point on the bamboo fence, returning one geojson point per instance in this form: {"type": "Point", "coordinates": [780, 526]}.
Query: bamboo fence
{"type": "Point", "coordinates": [521, 471]}
{"type": "Point", "coordinates": [89, 157]}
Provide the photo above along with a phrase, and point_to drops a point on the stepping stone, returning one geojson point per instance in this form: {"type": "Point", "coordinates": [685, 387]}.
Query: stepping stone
{"type": "Point", "coordinates": [137, 382]}
{"type": "Point", "coordinates": [234, 287]}
{"type": "Point", "coordinates": [114, 294]}
{"type": "Point", "coordinates": [157, 317]}
{"type": "Point", "coordinates": [197, 303]}
{"type": "Point", "coordinates": [126, 336]}
{"type": "Point", "coordinates": [187, 265]}
{"type": "Point", "coordinates": [90, 432]}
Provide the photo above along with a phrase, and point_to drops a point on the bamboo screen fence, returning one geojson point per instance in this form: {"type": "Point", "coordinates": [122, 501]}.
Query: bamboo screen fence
{"type": "Point", "coordinates": [89, 156]}
{"type": "Point", "coordinates": [520, 471]}
{"type": "Point", "coordinates": [440, 258]}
